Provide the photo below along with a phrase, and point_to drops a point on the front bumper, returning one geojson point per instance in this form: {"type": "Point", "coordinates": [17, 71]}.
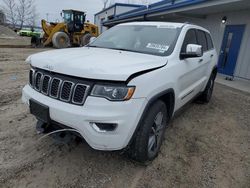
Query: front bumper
{"type": "Point", "coordinates": [125, 114]}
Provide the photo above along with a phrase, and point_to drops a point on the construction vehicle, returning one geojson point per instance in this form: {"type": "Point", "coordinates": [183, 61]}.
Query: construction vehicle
{"type": "Point", "coordinates": [74, 31]}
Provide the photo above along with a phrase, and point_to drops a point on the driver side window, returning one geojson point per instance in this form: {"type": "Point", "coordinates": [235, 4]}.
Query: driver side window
{"type": "Point", "coordinates": [190, 38]}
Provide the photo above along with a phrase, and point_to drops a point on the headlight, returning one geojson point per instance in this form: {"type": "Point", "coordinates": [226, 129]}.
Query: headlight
{"type": "Point", "coordinates": [113, 93]}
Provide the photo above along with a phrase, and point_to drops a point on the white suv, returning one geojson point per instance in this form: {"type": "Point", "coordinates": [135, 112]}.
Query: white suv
{"type": "Point", "coordinates": [121, 90]}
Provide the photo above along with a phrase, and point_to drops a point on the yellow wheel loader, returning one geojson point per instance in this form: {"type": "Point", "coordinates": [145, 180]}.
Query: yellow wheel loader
{"type": "Point", "coordinates": [74, 31]}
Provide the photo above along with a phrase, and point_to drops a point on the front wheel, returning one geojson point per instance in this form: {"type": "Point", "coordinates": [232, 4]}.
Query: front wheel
{"type": "Point", "coordinates": [147, 143]}
{"type": "Point", "coordinates": [60, 40]}
{"type": "Point", "coordinates": [85, 39]}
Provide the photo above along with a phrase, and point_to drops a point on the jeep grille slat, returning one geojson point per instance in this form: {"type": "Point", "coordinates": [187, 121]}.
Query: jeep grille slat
{"type": "Point", "coordinates": [45, 84]}
{"type": "Point", "coordinates": [66, 91]}
{"type": "Point", "coordinates": [79, 93]}
{"type": "Point", "coordinates": [37, 84]}
{"type": "Point", "coordinates": [31, 77]}
{"type": "Point", "coordinates": [54, 87]}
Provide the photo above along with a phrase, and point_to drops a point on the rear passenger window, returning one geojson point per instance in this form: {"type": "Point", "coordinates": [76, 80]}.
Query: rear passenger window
{"type": "Point", "coordinates": [190, 38]}
{"type": "Point", "coordinates": [201, 36]}
{"type": "Point", "coordinates": [209, 41]}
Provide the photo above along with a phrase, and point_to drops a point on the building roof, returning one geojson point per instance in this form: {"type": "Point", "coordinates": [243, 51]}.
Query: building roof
{"type": "Point", "coordinates": [118, 4]}
{"type": "Point", "coordinates": [153, 8]}
{"type": "Point", "coordinates": [158, 24]}
{"type": "Point", "coordinates": [181, 8]}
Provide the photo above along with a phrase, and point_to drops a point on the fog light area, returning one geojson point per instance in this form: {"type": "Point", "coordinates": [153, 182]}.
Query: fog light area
{"type": "Point", "coordinates": [103, 127]}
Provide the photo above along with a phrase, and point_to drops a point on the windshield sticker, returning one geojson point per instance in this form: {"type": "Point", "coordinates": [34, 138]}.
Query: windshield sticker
{"type": "Point", "coordinates": [162, 48]}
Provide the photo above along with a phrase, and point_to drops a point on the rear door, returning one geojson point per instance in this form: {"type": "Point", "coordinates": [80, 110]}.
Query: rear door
{"type": "Point", "coordinates": [205, 41]}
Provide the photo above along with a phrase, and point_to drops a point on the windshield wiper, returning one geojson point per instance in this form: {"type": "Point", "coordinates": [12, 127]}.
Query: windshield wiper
{"type": "Point", "coordinates": [120, 49]}
{"type": "Point", "coordinates": [94, 46]}
{"type": "Point", "coordinates": [123, 49]}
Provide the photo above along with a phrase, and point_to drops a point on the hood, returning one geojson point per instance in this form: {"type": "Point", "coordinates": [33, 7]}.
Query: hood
{"type": "Point", "coordinates": [96, 63]}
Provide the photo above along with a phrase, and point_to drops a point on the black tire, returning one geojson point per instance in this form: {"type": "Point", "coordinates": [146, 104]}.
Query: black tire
{"type": "Point", "coordinates": [141, 150]}
{"type": "Point", "coordinates": [60, 40]}
{"type": "Point", "coordinates": [206, 95]}
{"type": "Point", "coordinates": [85, 39]}
{"type": "Point", "coordinates": [35, 41]}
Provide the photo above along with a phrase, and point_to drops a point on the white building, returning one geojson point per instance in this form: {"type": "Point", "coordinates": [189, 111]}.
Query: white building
{"type": "Point", "coordinates": [228, 21]}
{"type": "Point", "coordinates": [111, 12]}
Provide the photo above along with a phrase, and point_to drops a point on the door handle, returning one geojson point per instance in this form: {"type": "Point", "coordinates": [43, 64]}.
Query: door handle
{"type": "Point", "coordinates": [200, 60]}
{"type": "Point", "coordinates": [212, 55]}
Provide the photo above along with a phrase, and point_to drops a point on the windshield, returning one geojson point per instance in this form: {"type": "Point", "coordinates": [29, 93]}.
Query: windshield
{"type": "Point", "coordinates": [156, 40]}
{"type": "Point", "coordinates": [67, 17]}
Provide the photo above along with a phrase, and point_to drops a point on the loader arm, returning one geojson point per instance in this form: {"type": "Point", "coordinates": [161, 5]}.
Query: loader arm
{"type": "Point", "coordinates": [91, 28]}
{"type": "Point", "coordinates": [51, 29]}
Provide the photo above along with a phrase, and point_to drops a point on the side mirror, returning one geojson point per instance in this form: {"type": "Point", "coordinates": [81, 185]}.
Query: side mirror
{"type": "Point", "coordinates": [192, 50]}
{"type": "Point", "coordinates": [92, 39]}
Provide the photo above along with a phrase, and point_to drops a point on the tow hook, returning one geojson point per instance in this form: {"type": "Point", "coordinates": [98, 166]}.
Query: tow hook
{"type": "Point", "coordinates": [40, 127]}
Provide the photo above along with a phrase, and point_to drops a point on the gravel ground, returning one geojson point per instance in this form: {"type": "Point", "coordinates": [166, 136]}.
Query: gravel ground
{"type": "Point", "coordinates": [205, 146]}
{"type": "Point", "coordinates": [19, 41]}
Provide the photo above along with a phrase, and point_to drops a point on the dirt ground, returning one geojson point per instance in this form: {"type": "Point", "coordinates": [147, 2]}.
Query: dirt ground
{"type": "Point", "coordinates": [9, 38]}
{"type": "Point", "coordinates": [205, 146]}
{"type": "Point", "coordinates": [21, 41]}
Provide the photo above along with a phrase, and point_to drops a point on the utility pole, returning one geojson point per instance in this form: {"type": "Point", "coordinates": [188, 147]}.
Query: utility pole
{"type": "Point", "coordinates": [47, 17]}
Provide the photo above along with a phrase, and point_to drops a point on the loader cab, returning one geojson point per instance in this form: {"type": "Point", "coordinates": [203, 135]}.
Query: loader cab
{"type": "Point", "coordinates": [74, 19]}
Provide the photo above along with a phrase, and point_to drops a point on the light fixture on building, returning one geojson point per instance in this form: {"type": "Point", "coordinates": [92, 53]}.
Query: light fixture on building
{"type": "Point", "coordinates": [224, 20]}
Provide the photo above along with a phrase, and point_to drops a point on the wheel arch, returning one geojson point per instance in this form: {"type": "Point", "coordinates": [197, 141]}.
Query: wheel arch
{"type": "Point", "coordinates": [215, 71]}
{"type": "Point", "coordinates": [168, 97]}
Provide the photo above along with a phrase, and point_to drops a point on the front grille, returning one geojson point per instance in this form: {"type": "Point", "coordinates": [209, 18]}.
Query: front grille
{"type": "Point", "coordinates": [59, 87]}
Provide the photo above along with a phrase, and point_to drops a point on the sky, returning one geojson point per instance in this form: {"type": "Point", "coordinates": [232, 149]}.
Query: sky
{"type": "Point", "coordinates": [50, 9]}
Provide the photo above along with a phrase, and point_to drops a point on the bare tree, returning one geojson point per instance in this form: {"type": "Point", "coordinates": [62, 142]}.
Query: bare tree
{"type": "Point", "coordinates": [10, 9]}
{"type": "Point", "coordinates": [33, 18]}
{"type": "Point", "coordinates": [25, 11]}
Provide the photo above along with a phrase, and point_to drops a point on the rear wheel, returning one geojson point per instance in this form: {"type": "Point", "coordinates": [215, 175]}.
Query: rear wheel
{"type": "Point", "coordinates": [60, 40]}
{"type": "Point", "coordinates": [147, 143]}
{"type": "Point", "coordinates": [206, 96]}
{"type": "Point", "coordinates": [85, 39]}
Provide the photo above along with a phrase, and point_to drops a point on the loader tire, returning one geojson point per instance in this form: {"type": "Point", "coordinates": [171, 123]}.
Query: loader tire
{"type": "Point", "coordinates": [35, 42]}
{"type": "Point", "coordinates": [60, 40]}
{"type": "Point", "coordinates": [85, 39]}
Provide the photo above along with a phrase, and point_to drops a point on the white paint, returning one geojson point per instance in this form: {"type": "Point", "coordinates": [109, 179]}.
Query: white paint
{"type": "Point", "coordinates": [96, 63]}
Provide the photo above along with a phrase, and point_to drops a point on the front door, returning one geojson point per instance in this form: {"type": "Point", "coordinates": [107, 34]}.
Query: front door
{"type": "Point", "coordinates": [230, 49]}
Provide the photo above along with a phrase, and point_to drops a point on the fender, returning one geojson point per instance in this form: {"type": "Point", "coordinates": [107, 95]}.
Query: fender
{"type": "Point", "coordinates": [150, 102]}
